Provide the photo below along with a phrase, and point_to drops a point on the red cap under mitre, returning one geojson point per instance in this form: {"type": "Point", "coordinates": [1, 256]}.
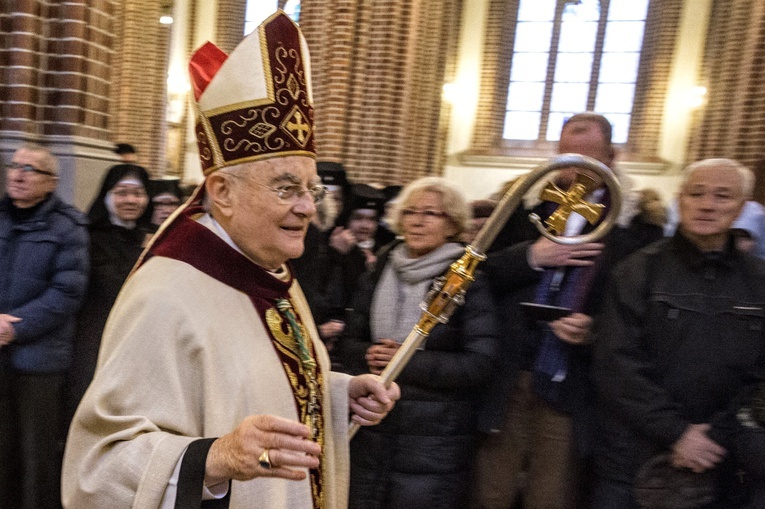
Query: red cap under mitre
{"type": "Point", "coordinates": [257, 102]}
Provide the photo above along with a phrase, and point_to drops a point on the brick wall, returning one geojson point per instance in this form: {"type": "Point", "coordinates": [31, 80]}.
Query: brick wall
{"type": "Point", "coordinates": [139, 74]}
{"type": "Point", "coordinates": [229, 25]}
{"type": "Point", "coordinates": [378, 69]}
{"type": "Point", "coordinates": [662, 23]}
{"type": "Point", "coordinates": [55, 67]}
{"type": "Point", "coordinates": [732, 124]}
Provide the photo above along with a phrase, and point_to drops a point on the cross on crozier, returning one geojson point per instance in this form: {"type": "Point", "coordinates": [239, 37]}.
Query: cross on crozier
{"type": "Point", "coordinates": [571, 201]}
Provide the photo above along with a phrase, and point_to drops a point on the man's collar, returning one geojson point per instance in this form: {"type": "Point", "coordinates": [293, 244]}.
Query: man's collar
{"type": "Point", "coordinates": [697, 258]}
{"type": "Point", "coordinates": [19, 214]}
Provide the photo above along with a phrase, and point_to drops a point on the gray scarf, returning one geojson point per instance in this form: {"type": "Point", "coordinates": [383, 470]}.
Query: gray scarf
{"type": "Point", "coordinates": [402, 286]}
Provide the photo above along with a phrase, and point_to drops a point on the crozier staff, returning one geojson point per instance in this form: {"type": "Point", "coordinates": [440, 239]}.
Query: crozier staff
{"type": "Point", "coordinates": [211, 381]}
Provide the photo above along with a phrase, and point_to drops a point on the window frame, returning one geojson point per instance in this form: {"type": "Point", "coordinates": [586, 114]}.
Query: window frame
{"type": "Point", "coordinates": [651, 87]}
{"type": "Point", "coordinates": [552, 62]}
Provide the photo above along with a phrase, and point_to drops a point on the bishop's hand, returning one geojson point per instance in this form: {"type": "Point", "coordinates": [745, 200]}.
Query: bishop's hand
{"type": "Point", "coordinates": [237, 455]}
{"type": "Point", "coordinates": [370, 401]}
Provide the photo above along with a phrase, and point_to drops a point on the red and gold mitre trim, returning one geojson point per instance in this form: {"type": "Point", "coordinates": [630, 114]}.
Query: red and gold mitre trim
{"type": "Point", "coordinates": [257, 102]}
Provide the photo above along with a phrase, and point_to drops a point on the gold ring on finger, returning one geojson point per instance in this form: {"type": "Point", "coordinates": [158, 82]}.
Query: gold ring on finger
{"type": "Point", "coordinates": [265, 460]}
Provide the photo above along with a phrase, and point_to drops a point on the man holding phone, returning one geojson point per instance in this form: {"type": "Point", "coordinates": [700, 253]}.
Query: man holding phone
{"type": "Point", "coordinates": [538, 425]}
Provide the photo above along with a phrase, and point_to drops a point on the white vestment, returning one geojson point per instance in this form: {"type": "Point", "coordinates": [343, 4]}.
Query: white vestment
{"type": "Point", "coordinates": [183, 357]}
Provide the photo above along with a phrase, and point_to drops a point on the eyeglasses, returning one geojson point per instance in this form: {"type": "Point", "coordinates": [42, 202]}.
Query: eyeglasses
{"type": "Point", "coordinates": [427, 215]}
{"type": "Point", "coordinates": [28, 168]}
{"type": "Point", "coordinates": [292, 192]}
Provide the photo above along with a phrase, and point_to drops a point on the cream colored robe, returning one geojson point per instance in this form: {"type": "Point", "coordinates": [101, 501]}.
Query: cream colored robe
{"type": "Point", "coordinates": [184, 357]}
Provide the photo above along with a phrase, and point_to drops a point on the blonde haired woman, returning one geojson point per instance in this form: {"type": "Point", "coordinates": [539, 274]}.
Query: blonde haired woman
{"type": "Point", "coordinates": [420, 456]}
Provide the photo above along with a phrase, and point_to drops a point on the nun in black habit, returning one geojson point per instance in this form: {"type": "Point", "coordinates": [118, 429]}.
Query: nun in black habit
{"type": "Point", "coordinates": [119, 226]}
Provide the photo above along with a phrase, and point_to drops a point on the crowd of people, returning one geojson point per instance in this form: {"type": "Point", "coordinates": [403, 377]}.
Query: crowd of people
{"type": "Point", "coordinates": [210, 350]}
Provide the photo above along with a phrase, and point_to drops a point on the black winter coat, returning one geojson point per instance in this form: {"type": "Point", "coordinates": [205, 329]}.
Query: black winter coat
{"type": "Point", "coordinates": [680, 341]}
{"type": "Point", "coordinates": [420, 456]}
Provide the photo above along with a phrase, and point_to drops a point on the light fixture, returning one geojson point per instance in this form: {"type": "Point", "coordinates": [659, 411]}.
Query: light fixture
{"type": "Point", "coordinates": [696, 97]}
{"type": "Point", "coordinates": [166, 17]}
{"type": "Point", "coordinates": [450, 93]}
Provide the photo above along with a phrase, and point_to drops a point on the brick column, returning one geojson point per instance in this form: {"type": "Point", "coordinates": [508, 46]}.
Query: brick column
{"type": "Point", "coordinates": [139, 80]}
{"type": "Point", "coordinates": [22, 45]}
{"type": "Point", "coordinates": [77, 71]}
{"type": "Point", "coordinates": [54, 84]}
{"type": "Point", "coordinates": [229, 27]}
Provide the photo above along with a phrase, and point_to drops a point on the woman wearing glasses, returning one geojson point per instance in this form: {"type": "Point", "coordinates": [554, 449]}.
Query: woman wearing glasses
{"type": "Point", "coordinates": [119, 222]}
{"type": "Point", "coordinates": [420, 456]}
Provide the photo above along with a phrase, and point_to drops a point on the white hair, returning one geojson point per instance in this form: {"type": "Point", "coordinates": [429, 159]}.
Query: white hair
{"type": "Point", "coordinates": [47, 159]}
{"type": "Point", "coordinates": [747, 176]}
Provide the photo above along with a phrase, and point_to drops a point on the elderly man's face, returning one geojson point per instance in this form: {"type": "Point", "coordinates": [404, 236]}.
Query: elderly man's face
{"type": "Point", "coordinates": [583, 137]}
{"type": "Point", "coordinates": [27, 188]}
{"type": "Point", "coordinates": [710, 201]}
{"type": "Point", "coordinates": [268, 229]}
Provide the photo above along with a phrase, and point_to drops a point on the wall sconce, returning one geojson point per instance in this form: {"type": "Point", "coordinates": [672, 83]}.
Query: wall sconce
{"type": "Point", "coordinates": [166, 17]}
{"type": "Point", "coordinates": [697, 97]}
{"type": "Point", "coordinates": [178, 88]}
{"type": "Point", "coordinates": [450, 92]}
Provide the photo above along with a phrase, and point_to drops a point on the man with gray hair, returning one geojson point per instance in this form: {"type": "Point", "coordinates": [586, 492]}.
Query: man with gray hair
{"type": "Point", "coordinates": [213, 388]}
{"type": "Point", "coordinates": [43, 276]}
{"type": "Point", "coordinates": [750, 221]}
{"type": "Point", "coordinates": [678, 348]}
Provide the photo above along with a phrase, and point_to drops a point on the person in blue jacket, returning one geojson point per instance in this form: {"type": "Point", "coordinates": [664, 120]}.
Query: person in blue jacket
{"type": "Point", "coordinates": [43, 276]}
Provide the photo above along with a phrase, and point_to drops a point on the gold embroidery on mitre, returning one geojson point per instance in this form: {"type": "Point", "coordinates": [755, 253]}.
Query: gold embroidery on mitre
{"type": "Point", "coordinates": [293, 87]}
{"type": "Point", "coordinates": [262, 130]}
{"type": "Point", "coordinates": [295, 125]}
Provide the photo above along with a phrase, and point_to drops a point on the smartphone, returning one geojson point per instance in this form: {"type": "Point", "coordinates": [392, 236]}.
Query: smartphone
{"type": "Point", "coordinates": [544, 312]}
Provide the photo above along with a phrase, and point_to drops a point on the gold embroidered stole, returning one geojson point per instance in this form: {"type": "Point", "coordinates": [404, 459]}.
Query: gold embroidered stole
{"type": "Point", "coordinates": [293, 344]}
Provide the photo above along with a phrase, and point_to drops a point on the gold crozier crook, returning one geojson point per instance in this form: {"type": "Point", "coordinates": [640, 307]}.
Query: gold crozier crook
{"type": "Point", "coordinates": [448, 291]}
{"type": "Point", "coordinates": [571, 201]}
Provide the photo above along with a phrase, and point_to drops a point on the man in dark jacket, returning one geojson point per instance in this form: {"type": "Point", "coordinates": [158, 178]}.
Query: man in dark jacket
{"type": "Point", "coordinates": [679, 347]}
{"type": "Point", "coordinates": [43, 276]}
{"type": "Point", "coordinates": [539, 423]}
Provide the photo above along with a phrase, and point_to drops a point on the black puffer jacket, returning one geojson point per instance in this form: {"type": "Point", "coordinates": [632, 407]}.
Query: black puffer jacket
{"type": "Point", "coordinates": [420, 456]}
{"type": "Point", "coordinates": [681, 341]}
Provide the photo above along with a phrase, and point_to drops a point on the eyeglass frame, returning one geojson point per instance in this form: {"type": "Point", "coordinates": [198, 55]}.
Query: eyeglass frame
{"type": "Point", "coordinates": [28, 169]}
{"type": "Point", "coordinates": [159, 203]}
{"type": "Point", "coordinates": [427, 215]}
{"type": "Point", "coordinates": [295, 191]}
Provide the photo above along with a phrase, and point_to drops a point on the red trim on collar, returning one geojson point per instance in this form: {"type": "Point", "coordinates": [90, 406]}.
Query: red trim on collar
{"type": "Point", "coordinates": [188, 241]}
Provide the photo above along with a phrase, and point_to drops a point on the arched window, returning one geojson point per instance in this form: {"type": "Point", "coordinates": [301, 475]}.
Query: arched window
{"type": "Point", "coordinates": [571, 56]}
{"type": "Point", "coordinates": [259, 10]}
